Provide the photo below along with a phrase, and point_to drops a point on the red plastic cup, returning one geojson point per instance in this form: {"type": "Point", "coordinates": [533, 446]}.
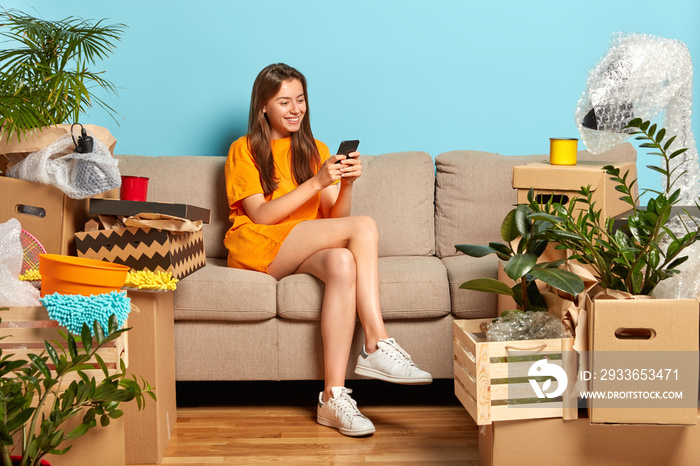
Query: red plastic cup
{"type": "Point", "coordinates": [134, 188]}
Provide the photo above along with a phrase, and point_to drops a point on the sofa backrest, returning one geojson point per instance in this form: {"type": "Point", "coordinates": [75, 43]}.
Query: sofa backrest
{"type": "Point", "coordinates": [192, 180]}
{"type": "Point", "coordinates": [397, 190]}
{"type": "Point", "coordinates": [474, 192]}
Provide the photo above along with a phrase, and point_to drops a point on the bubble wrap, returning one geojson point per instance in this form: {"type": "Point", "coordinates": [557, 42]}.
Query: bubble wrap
{"type": "Point", "coordinates": [525, 326]}
{"type": "Point", "coordinates": [639, 77]}
{"type": "Point", "coordinates": [78, 175]}
{"type": "Point", "coordinates": [13, 292]}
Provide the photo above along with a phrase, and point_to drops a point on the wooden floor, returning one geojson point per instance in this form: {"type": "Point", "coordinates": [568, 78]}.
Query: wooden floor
{"type": "Point", "coordinates": [274, 423]}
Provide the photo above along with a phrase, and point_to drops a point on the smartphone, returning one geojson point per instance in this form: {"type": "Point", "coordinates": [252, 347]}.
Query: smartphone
{"type": "Point", "coordinates": [347, 147]}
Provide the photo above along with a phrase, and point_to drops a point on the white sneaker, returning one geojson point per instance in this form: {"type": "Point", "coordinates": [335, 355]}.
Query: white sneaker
{"type": "Point", "coordinates": [392, 364]}
{"type": "Point", "coordinates": [340, 412]}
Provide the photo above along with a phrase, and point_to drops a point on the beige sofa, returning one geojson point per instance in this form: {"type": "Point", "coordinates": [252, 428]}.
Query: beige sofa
{"type": "Point", "coordinates": [235, 324]}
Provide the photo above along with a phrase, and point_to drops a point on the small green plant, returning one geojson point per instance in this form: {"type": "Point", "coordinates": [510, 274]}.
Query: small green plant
{"type": "Point", "coordinates": [628, 255]}
{"type": "Point", "coordinates": [645, 131]}
{"type": "Point", "coordinates": [522, 261]}
{"type": "Point", "coordinates": [34, 405]}
{"type": "Point", "coordinates": [45, 78]}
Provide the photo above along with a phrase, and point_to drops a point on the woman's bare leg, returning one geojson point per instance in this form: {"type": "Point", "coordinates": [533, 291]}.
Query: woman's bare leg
{"type": "Point", "coordinates": [314, 247]}
{"type": "Point", "coordinates": [359, 235]}
{"type": "Point", "coordinates": [336, 268]}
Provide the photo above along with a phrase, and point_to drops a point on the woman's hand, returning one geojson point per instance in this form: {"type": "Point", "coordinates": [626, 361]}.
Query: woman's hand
{"type": "Point", "coordinates": [273, 211]}
{"type": "Point", "coordinates": [330, 171]}
{"type": "Point", "coordinates": [351, 168]}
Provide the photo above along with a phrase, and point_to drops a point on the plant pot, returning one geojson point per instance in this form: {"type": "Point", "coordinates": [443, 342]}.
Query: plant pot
{"type": "Point", "coordinates": [18, 459]}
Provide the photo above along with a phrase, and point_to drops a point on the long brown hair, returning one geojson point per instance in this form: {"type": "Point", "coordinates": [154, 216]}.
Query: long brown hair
{"type": "Point", "coordinates": [305, 156]}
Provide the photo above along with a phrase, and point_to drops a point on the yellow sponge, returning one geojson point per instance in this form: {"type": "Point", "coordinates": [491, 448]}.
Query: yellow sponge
{"type": "Point", "coordinates": [31, 275]}
{"type": "Point", "coordinates": [147, 280]}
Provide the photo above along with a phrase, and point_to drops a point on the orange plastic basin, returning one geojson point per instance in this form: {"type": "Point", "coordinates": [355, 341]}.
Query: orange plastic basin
{"type": "Point", "coordinates": [79, 275]}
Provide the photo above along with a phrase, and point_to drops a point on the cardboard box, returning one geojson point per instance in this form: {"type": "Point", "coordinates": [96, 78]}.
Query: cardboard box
{"type": "Point", "coordinates": [105, 443]}
{"type": "Point", "coordinates": [129, 208]}
{"type": "Point", "coordinates": [563, 181]}
{"type": "Point", "coordinates": [580, 443]}
{"type": "Point", "coordinates": [492, 378]}
{"type": "Point", "coordinates": [24, 330]}
{"type": "Point", "coordinates": [152, 344]}
{"type": "Point", "coordinates": [101, 445]}
{"type": "Point", "coordinates": [45, 212]}
{"type": "Point", "coordinates": [145, 249]}
{"type": "Point", "coordinates": [656, 339]}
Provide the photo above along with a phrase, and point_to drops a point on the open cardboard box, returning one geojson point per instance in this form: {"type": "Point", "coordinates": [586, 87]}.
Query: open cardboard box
{"type": "Point", "coordinates": [13, 151]}
{"type": "Point", "coordinates": [45, 212]}
{"type": "Point", "coordinates": [563, 181]}
{"type": "Point", "coordinates": [145, 249]}
{"type": "Point", "coordinates": [24, 330]}
{"type": "Point", "coordinates": [130, 208]}
{"type": "Point", "coordinates": [637, 336]}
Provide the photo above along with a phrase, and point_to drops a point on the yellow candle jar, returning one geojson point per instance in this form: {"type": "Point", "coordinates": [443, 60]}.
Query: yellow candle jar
{"type": "Point", "coordinates": [562, 151]}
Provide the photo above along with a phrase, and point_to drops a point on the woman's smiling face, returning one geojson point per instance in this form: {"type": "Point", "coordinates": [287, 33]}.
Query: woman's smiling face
{"type": "Point", "coordinates": [286, 109]}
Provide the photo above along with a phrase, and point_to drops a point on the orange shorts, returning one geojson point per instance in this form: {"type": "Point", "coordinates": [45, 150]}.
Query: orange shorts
{"type": "Point", "coordinates": [252, 246]}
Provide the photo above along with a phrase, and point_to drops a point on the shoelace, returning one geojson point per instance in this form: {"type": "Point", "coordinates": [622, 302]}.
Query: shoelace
{"type": "Point", "coordinates": [399, 354]}
{"type": "Point", "coordinates": [346, 405]}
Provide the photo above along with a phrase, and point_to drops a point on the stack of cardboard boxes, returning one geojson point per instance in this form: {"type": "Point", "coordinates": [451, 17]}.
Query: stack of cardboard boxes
{"type": "Point", "coordinates": [658, 338]}
{"type": "Point", "coordinates": [139, 437]}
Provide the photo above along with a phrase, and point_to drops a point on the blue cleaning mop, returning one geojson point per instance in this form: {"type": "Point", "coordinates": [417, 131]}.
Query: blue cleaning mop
{"type": "Point", "coordinates": [72, 311]}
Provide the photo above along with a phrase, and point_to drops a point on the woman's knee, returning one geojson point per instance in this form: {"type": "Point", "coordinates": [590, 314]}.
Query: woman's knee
{"type": "Point", "coordinates": [365, 227]}
{"type": "Point", "coordinates": [340, 265]}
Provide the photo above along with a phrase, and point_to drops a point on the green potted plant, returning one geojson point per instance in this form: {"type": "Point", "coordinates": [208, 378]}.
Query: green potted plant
{"type": "Point", "coordinates": [34, 404]}
{"type": "Point", "coordinates": [46, 78]}
{"type": "Point", "coordinates": [627, 255]}
{"type": "Point", "coordinates": [522, 261]}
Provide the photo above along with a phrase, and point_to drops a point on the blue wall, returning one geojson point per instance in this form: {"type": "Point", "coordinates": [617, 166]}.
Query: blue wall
{"type": "Point", "coordinates": [500, 76]}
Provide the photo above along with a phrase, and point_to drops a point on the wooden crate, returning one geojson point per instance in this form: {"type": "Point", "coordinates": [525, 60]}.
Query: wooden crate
{"type": "Point", "coordinates": [25, 328]}
{"type": "Point", "coordinates": [491, 378]}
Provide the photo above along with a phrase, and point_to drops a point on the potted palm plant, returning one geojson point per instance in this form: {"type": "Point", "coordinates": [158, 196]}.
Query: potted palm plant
{"type": "Point", "coordinates": [35, 404]}
{"type": "Point", "coordinates": [45, 75]}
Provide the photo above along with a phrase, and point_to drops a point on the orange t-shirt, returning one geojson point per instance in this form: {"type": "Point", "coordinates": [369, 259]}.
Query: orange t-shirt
{"type": "Point", "coordinates": [251, 245]}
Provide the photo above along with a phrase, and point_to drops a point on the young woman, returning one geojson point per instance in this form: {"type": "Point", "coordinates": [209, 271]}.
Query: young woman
{"type": "Point", "coordinates": [290, 205]}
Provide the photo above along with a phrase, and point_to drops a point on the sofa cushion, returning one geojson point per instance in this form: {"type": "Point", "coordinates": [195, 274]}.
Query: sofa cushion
{"type": "Point", "coordinates": [409, 288]}
{"type": "Point", "coordinates": [474, 192]}
{"type": "Point", "coordinates": [209, 350]}
{"type": "Point", "coordinates": [397, 190]}
{"type": "Point", "coordinates": [218, 292]}
{"type": "Point", "coordinates": [468, 304]}
{"type": "Point", "coordinates": [197, 181]}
